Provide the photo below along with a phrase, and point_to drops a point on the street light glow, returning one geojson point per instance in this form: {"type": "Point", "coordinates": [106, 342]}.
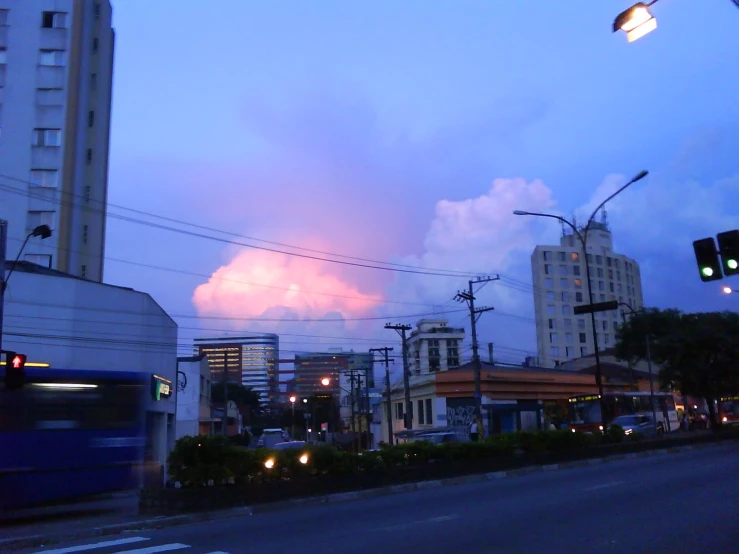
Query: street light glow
{"type": "Point", "coordinates": [293, 399]}
{"type": "Point", "coordinates": [727, 290]}
{"type": "Point", "coordinates": [325, 381]}
{"type": "Point", "coordinates": [636, 22]}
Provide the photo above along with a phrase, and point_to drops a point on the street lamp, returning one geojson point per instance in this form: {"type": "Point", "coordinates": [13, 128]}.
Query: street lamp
{"type": "Point", "coordinates": [728, 290]}
{"type": "Point", "coordinates": [292, 422]}
{"type": "Point", "coordinates": [43, 232]}
{"type": "Point", "coordinates": [636, 22]}
{"type": "Point", "coordinates": [583, 238]}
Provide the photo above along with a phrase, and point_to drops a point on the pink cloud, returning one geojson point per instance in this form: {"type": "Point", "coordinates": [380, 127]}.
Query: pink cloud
{"type": "Point", "coordinates": [256, 282]}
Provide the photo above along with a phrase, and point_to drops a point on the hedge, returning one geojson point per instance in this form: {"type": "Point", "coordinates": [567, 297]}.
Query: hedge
{"type": "Point", "coordinates": [203, 461]}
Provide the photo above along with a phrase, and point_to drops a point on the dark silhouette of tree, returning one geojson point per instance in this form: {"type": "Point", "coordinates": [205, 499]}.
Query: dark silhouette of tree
{"type": "Point", "coordinates": [241, 395]}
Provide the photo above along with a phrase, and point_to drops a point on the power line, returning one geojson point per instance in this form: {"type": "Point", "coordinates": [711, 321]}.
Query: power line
{"type": "Point", "coordinates": [386, 266]}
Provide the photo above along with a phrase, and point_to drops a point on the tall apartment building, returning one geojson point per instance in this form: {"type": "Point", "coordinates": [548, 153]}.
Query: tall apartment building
{"type": "Point", "coordinates": [434, 346]}
{"type": "Point", "coordinates": [251, 361]}
{"type": "Point", "coordinates": [560, 284]}
{"type": "Point", "coordinates": [56, 76]}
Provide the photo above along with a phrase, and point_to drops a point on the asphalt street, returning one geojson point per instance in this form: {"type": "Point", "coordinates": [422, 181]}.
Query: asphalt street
{"type": "Point", "coordinates": [677, 503]}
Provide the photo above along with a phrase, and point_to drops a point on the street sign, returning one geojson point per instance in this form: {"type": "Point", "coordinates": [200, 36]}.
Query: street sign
{"type": "Point", "coordinates": [599, 307]}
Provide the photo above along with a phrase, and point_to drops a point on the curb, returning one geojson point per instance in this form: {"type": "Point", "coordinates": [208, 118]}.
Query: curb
{"type": "Point", "coordinates": [162, 522]}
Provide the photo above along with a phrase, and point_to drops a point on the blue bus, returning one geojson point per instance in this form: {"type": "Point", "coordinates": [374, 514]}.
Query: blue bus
{"type": "Point", "coordinates": [70, 433]}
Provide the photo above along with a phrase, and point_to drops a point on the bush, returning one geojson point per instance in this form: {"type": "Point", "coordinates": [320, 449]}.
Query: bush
{"type": "Point", "coordinates": [615, 434]}
{"type": "Point", "coordinates": [200, 461]}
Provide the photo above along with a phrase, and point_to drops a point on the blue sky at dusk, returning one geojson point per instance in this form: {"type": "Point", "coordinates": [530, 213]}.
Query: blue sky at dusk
{"type": "Point", "coordinates": [408, 132]}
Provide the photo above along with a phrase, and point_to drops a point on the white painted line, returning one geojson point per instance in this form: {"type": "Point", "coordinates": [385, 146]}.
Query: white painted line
{"type": "Point", "coordinates": [94, 546]}
{"type": "Point", "coordinates": [154, 549]}
{"type": "Point", "coordinates": [605, 486]}
{"type": "Point", "coordinates": [420, 522]}
{"type": "Point", "coordinates": [218, 552]}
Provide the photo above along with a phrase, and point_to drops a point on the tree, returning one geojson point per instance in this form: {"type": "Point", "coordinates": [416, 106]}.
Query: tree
{"type": "Point", "coordinates": [698, 353]}
{"type": "Point", "coordinates": [241, 395]}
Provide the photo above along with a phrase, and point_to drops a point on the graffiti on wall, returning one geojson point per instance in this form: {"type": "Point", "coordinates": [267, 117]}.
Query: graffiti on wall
{"type": "Point", "coordinates": [460, 412]}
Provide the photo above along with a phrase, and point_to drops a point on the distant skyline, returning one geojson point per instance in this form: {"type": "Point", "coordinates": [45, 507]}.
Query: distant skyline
{"type": "Point", "coordinates": [408, 132]}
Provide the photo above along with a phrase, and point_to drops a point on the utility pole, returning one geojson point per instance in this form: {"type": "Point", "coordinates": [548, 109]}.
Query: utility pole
{"type": "Point", "coordinates": [408, 416]}
{"type": "Point", "coordinates": [475, 313]}
{"type": "Point", "coordinates": [358, 422]}
{"type": "Point", "coordinates": [389, 408]}
{"type": "Point", "coordinates": [3, 252]}
{"type": "Point", "coordinates": [351, 400]}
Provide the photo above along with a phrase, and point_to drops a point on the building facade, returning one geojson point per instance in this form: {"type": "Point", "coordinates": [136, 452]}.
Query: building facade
{"type": "Point", "coordinates": [56, 74]}
{"type": "Point", "coordinates": [73, 323]}
{"type": "Point", "coordinates": [560, 284]}
{"type": "Point", "coordinates": [434, 346]}
{"type": "Point", "coordinates": [312, 368]}
{"type": "Point", "coordinates": [251, 361]}
{"type": "Point", "coordinates": [194, 405]}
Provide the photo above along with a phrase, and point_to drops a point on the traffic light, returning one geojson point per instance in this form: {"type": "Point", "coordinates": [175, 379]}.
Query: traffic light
{"type": "Point", "coordinates": [15, 370]}
{"type": "Point", "coordinates": [706, 255]}
{"type": "Point", "coordinates": [728, 248]}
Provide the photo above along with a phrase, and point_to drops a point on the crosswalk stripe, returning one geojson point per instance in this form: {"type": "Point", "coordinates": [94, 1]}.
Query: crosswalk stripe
{"type": "Point", "coordinates": [155, 549]}
{"type": "Point", "coordinates": [94, 546]}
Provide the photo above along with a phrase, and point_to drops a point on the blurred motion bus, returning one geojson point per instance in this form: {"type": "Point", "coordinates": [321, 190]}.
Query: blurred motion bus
{"type": "Point", "coordinates": [70, 433]}
{"type": "Point", "coordinates": [728, 410]}
{"type": "Point", "coordinates": [585, 416]}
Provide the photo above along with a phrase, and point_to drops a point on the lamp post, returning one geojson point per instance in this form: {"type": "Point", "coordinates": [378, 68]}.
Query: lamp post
{"type": "Point", "coordinates": [43, 232]}
{"type": "Point", "coordinates": [292, 421]}
{"type": "Point", "coordinates": [583, 238]}
{"type": "Point", "coordinates": [632, 311]}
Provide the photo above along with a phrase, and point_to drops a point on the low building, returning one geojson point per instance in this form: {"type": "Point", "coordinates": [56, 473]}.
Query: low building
{"type": "Point", "coordinates": [514, 398]}
{"type": "Point", "coordinates": [72, 323]}
{"type": "Point", "coordinates": [194, 406]}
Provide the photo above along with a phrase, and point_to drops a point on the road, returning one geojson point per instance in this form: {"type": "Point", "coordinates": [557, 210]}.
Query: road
{"type": "Point", "coordinates": [686, 502]}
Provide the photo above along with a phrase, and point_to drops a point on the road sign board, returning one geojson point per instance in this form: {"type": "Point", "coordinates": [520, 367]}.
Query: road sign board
{"type": "Point", "coordinates": [599, 307]}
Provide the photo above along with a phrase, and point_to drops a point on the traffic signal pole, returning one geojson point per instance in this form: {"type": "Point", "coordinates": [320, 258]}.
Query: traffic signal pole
{"type": "Point", "coordinates": [3, 252]}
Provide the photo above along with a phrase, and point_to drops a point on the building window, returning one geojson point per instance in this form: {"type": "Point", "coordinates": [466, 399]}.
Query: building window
{"type": "Point", "coordinates": [563, 270]}
{"type": "Point", "coordinates": [36, 218]}
{"type": "Point", "coordinates": [601, 285]}
{"type": "Point", "coordinates": [574, 256]}
{"type": "Point", "coordinates": [569, 351]}
{"type": "Point", "coordinates": [568, 338]}
{"type": "Point", "coordinates": [91, 118]}
{"type": "Point", "coordinates": [93, 81]}
{"type": "Point", "coordinates": [87, 193]}
{"type": "Point", "coordinates": [547, 255]}
{"type": "Point", "coordinates": [95, 45]}
{"type": "Point", "coordinates": [568, 323]}
{"type": "Point", "coordinates": [3, 56]}
{"type": "Point", "coordinates": [550, 310]}
{"type": "Point", "coordinates": [399, 411]}
{"type": "Point", "coordinates": [578, 283]}
{"type": "Point", "coordinates": [47, 137]}
{"type": "Point", "coordinates": [600, 272]}
{"type": "Point", "coordinates": [54, 20]}
{"type": "Point", "coordinates": [561, 256]}
{"type": "Point", "coordinates": [89, 156]}
{"type": "Point", "coordinates": [583, 338]}
{"type": "Point", "coordinates": [552, 323]}
{"type": "Point", "coordinates": [548, 283]}
{"type": "Point", "coordinates": [421, 418]}
{"type": "Point", "coordinates": [566, 309]}
{"type": "Point", "coordinates": [611, 287]}
{"type": "Point", "coordinates": [547, 269]}
{"type": "Point", "coordinates": [85, 230]}
{"type": "Point", "coordinates": [83, 271]}
{"type": "Point", "coordinates": [578, 297]}
{"type": "Point", "coordinates": [452, 353]}
{"type": "Point", "coordinates": [54, 58]}
{"type": "Point", "coordinates": [583, 351]}
{"type": "Point", "coordinates": [3, 18]}
{"type": "Point", "coordinates": [554, 350]}
{"type": "Point", "coordinates": [45, 178]}
{"type": "Point", "coordinates": [429, 412]}
{"type": "Point", "coordinates": [39, 259]}
{"type": "Point", "coordinates": [581, 324]}
{"type": "Point", "coordinates": [553, 338]}
{"type": "Point", "coordinates": [563, 283]}
{"type": "Point", "coordinates": [607, 338]}
{"type": "Point", "coordinates": [604, 325]}
{"type": "Point", "coordinates": [565, 296]}
{"type": "Point", "coordinates": [599, 260]}
{"type": "Point", "coordinates": [97, 10]}
{"type": "Point", "coordinates": [609, 261]}
{"type": "Point", "coordinates": [576, 270]}
{"type": "Point", "coordinates": [550, 295]}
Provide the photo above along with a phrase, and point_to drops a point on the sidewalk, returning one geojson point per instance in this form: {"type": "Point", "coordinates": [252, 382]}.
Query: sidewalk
{"type": "Point", "coordinates": [71, 518]}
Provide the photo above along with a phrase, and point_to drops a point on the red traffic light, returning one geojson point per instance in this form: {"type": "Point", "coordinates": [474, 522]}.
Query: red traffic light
{"type": "Point", "coordinates": [15, 374]}
{"type": "Point", "coordinates": [19, 360]}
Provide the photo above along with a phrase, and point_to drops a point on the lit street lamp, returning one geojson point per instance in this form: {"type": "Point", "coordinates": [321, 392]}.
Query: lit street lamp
{"type": "Point", "coordinates": [292, 422]}
{"type": "Point", "coordinates": [636, 22]}
{"type": "Point", "coordinates": [729, 290]}
{"type": "Point", "coordinates": [582, 235]}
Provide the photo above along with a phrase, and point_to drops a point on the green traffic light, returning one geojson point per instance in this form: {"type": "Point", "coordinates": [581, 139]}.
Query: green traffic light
{"type": "Point", "coordinates": [707, 271]}
{"type": "Point", "coordinates": [732, 264]}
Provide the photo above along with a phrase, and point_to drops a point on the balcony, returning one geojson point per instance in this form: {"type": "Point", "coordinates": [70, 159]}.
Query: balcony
{"type": "Point", "coordinates": [54, 39]}
{"type": "Point", "coordinates": [48, 76]}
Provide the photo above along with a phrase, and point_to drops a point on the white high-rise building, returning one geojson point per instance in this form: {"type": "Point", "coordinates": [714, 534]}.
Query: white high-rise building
{"type": "Point", "coordinates": [434, 346]}
{"type": "Point", "coordinates": [560, 285]}
{"type": "Point", "coordinates": [56, 73]}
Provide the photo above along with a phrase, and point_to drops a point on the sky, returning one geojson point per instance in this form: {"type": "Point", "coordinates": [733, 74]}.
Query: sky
{"type": "Point", "coordinates": [407, 133]}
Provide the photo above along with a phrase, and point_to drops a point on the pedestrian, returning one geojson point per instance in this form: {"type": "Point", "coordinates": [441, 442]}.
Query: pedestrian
{"type": "Point", "coordinates": [474, 435]}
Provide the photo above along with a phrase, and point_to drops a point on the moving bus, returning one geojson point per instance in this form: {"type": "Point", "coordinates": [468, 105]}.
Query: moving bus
{"type": "Point", "coordinates": [584, 411]}
{"type": "Point", "coordinates": [728, 409]}
{"type": "Point", "coordinates": [70, 433]}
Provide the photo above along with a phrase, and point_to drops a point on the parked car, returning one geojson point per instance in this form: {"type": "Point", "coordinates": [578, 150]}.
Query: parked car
{"type": "Point", "coordinates": [642, 424]}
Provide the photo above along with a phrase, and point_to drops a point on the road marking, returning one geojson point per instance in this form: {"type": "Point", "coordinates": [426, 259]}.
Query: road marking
{"type": "Point", "coordinates": [94, 546]}
{"type": "Point", "coordinates": [605, 486]}
{"type": "Point", "coordinates": [154, 549]}
{"type": "Point", "coordinates": [420, 522]}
